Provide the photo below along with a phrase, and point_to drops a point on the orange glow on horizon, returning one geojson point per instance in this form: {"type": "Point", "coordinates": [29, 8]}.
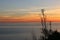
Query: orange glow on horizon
{"type": "Point", "coordinates": [52, 15]}
{"type": "Point", "coordinates": [29, 19]}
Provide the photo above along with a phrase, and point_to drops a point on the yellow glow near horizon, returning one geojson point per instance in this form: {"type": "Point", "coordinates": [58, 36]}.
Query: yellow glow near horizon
{"type": "Point", "coordinates": [52, 15]}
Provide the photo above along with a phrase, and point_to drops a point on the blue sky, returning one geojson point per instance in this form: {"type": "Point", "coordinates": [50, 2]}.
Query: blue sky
{"type": "Point", "coordinates": [9, 8]}
{"type": "Point", "coordinates": [14, 4]}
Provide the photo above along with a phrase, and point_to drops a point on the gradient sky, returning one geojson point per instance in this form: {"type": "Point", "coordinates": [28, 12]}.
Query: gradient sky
{"type": "Point", "coordinates": [28, 10]}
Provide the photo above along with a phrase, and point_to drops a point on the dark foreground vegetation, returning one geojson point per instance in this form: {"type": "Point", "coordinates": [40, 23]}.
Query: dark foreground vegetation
{"type": "Point", "coordinates": [48, 34]}
{"type": "Point", "coordinates": [54, 36]}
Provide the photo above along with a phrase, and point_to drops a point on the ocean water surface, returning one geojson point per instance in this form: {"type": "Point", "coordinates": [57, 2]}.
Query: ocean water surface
{"type": "Point", "coordinates": [23, 31]}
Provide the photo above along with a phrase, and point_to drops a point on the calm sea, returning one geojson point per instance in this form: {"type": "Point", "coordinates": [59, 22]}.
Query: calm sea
{"type": "Point", "coordinates": [23, 31]}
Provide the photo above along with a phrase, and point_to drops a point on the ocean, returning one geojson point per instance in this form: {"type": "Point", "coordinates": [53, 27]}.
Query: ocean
{"type": "Point", "coordinates": [23, 31]}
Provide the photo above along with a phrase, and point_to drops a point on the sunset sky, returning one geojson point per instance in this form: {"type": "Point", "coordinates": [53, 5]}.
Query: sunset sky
{"type": "Point", "coordinates": [28, 10]}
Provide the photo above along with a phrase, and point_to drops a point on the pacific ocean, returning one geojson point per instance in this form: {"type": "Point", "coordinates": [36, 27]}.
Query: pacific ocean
{"type": "Point", "coordinates": [23, 31]}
